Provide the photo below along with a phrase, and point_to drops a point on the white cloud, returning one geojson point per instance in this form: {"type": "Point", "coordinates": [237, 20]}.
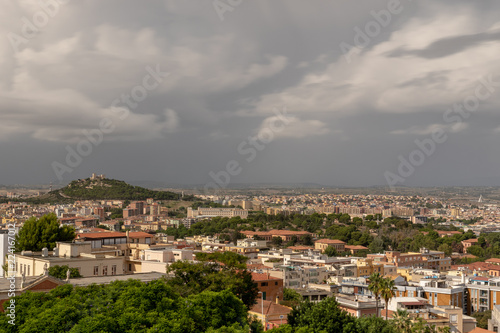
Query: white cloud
{"type": "Point", "coordinates": [404, 83]}
{"type": "Point", "coordinates": [293, 127]}
{"type": "Point", "coordinates": [452, 128]}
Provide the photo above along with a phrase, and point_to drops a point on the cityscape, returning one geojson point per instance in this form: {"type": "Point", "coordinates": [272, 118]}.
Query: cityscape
{"type": "Point", "coordinates": [233, 166]}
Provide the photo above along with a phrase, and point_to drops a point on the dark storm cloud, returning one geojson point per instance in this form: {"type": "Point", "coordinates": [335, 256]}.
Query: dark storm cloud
{"type": "Point", "coordinates": [226, 79]}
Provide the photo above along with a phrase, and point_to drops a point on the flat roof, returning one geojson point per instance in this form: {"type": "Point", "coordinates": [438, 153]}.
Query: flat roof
{"type": "Point", "coordinates": [143, 277]}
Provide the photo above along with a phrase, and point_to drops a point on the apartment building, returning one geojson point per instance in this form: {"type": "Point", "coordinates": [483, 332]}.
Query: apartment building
{"type": "Point", "coordinates": [423, 259]}
{"type": "Point", "coordinates": [222, 212]}
{"type": "Point", "coordinates": [297, 277]}
{"type": "Point", "coordinates": [367, 266]}
{"type": "Point", "coordinates": [483, 293]}
{"type": "Point", "coordinates": [439, 316]}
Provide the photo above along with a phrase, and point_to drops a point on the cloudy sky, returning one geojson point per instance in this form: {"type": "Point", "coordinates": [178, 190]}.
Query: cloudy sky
{"type": "Point", "coordinates": [329, 92]}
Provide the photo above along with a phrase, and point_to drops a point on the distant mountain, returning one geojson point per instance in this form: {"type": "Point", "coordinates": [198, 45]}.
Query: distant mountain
{"type": "Point", "coordinates": [109, 189]}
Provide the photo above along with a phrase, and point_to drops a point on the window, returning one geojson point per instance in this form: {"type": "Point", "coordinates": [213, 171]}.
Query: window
{"type": "Point", "coordinates": [105, 270]}
{"type": "Point", "coordinates": [263, 284]}
{"type": "Point", "coordinates": [113, 270]}
{"type": "Point", "coordinates": [130, 267]}
{"type": "Point", "coordinates": [96, 270]}
{"type": "Point", "coordinates": [276, 283]}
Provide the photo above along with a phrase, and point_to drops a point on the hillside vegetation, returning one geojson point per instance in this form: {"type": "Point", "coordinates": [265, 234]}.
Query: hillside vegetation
{"type": "Point", "coordinates": [101, 189]}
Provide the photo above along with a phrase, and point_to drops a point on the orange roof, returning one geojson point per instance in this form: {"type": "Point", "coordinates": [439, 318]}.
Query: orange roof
{"type": "Point", "coordinates": [139, 234]}
{"type": "Point", "coordinates": [270, 308]}
{"type": "Point", "coordinates": [493, 260]}
{"type": "Point", "coordinates": [112, 234]}
{"type": "Point", "coordinates": [275, 233]}
{"type": "Point", "coordinates": [480, 330]}
{"type": "Point", "coordinates": [472, 240]}
{"type": "Point", "coordinates": [98, 235]}
{"type": "Point", "coordinates": [301, 247]}
{"type": "Point", "coordinates": [263, 277]}
{"type": "Point", "coordinates": [356, 247]}
{"type": "Point", "coordinates": [330, 241]}
{"type": "Point", "coordinates": [256, 266]}
{"type": "Point", "coordinates": [443, 232]}
{"type": "Point", "coordinates": [478, 266]}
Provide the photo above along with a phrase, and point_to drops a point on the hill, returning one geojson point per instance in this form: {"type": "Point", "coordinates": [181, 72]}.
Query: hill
{"type": "Point", "coordinates": [109, 189]}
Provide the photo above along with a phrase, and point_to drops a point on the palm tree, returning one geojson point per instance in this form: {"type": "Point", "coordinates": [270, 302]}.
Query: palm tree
{"type": "Point", "coordinates": [375, 287]}
{"type": "Point", "coordinates": [387, 292]}
{"type": "Point", "coordinates": [402, 321]}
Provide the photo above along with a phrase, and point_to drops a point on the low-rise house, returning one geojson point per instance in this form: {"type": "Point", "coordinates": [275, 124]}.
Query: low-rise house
{"type": "Point", "coordinates": [270, 286]}
{"type": "Point", "coordinates": [270, 313]}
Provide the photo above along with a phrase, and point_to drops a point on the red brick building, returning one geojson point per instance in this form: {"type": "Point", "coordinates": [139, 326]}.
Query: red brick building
{"type": "Point", "coordinates": [271, 287]}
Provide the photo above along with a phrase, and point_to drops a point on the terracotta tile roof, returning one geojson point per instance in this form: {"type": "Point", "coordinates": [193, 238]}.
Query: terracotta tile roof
{"type": "Point", "coordinates": [263, 277]}
{"type": "Point", "coordinates": [256, 266]}
{"type": "Point", "coordinates": [441, 232]}
{"type": "Point", "coordinates": [139, 234]}
{"type": "Point", "coordinates": [472, 240]}
{"type": "Point", "coordinates": [301, 247]}
{"type": "Point", "coordinates": [478, 266]}
{"type": "Point", "coordinates": [480, 330]}
{"type": "Point", "coordinates": [330, 241]}
{"type": "Point", "coordinates": [98, 230]}
{"type": "Point", "coordinates": [98, 235]}
{"type": "Point", "coordinates": [493, 260]}
{"type": "Point", "coordinates": [480, 278]}
{"type": "Point", "coordinates": [112, 234]}
{"type": "Point", "coordinates": [275, 233]}
{"type": "Point", "coordinates": [355, 247]}
{"type": "Point", "coordinates": [270, 308]}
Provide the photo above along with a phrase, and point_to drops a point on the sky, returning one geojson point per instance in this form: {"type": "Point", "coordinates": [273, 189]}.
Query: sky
{"type": "Point", "coordinates": [338, 93]}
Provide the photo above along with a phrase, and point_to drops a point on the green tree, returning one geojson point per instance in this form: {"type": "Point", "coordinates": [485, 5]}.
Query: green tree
{"type": "Point", "coordinates": [277, 241]}
{"type": "Point", "coordinates": [127, 306]}
{"type": "Point", "coordinates": [43, 232]}
{"type": "Point", "coordinates": [377, 245]}
{"type": "Point", "coordinates": [324, 316]}
{"type": "Point", "coordinates": [402, 321]}
{"type": "Point", "coordinates": [387, 292]}
{"type": "Point", "coordinates": [61, 271]}
{"type": "Point", "coordinates": [476, 250]}
{"type": "Point", "coordinates": [331, 251]}
{"type": "Point", "coordinates": [307, 240]}
{"type": "Point", "coordinates": [215, 272]}
{"type": "Point", "coordinates": [291, 296]}
{"type": "Point", "coordinates": [446, 249]}
{"type": "Point", "coordinates": [375, 287]}
{"type": "Point", "coordinates": [482, 318]}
